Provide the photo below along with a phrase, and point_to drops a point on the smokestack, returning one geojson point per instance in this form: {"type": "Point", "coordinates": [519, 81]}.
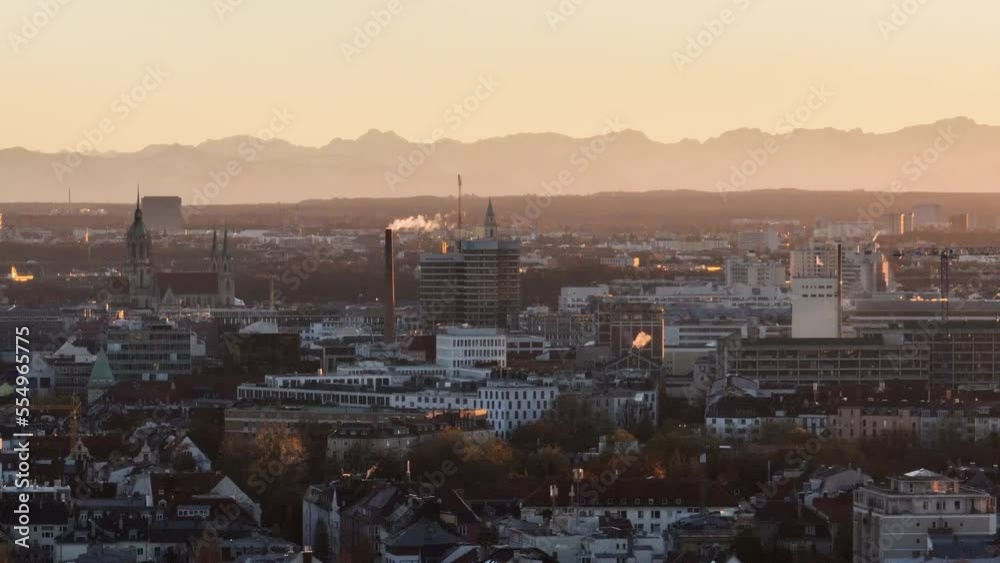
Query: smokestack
{"type": "Point", "coordinates": [459, 207]}
{"type": "Point", "coordinates": [389, 333]}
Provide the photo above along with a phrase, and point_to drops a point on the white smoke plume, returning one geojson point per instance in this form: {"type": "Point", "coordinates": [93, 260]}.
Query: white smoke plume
{"type": "Point", "coordinates": [416, 223]}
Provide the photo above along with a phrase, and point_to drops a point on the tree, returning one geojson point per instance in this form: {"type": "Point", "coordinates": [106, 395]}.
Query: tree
{"type": "Point", "coordinates": [620, 438]}
{"type": "Point", "coordinates": [783, 433]}
{"type": "Point", "coordinates": [547, 462]}
{"type": "Point", "coordinates": [362, 457]}
{"type": "Point", "coordinates": [673, 450]}
{"type": "Point", "coordinates": [451, 455]}
{"type": "Point", "coordinates": [573, 424]}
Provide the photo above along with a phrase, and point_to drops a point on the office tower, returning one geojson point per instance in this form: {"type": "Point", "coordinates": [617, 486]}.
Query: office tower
{"type": "Point", "coordinates": [478, 285]}
{"type": "Point", "coordinates": [147, 351]}
{"type": "Point", "coordinates": [816, 291]}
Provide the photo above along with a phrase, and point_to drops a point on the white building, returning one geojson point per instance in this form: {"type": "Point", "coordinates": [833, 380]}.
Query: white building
{"type": "Point", "coordinates": [844, 230]}
{"type": "Point", "coordinates": [459, 347]}
{"type": "Point", "coordinates": [512, 404]}
{"type": "Point", "coordinates": [754, 272]}
{"type": "Point", "coordinates": [576, 299]}
{"type": "Point", "coordinates": [815, 308]}
{"type": "Point", "coordinates": [923, 516]}
{"type": "Point", "coordinates": [816, 291]}
{"type": "Point", "coordinates": [652, 505]}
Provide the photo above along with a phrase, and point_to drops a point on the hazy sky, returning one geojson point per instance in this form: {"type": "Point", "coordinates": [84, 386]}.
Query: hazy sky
{"type": "Point", "coordinates": [227, 71]}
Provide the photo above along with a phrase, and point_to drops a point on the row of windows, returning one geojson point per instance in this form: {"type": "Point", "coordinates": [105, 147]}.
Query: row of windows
{"type": "Point", "coordinates": [490, 394]}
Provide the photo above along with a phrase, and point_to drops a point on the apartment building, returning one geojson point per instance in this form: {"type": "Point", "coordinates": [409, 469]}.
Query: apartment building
{"type": "Point", "coordinates": [923, 516]}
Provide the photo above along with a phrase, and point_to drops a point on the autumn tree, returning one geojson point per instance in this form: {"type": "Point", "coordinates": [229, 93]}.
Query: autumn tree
{"type": "Point", "coordinates": [573, 424]}
{"type": "Point", "coordinates": [546, 463]}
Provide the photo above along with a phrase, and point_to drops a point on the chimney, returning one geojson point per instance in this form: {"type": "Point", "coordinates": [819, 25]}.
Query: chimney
{"type": "Point", "coordinates": [389, 332]}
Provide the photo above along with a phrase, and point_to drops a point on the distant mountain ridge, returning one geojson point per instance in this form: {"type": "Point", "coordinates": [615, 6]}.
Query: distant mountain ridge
{"type": "Point", "coordinates": [953, 155]}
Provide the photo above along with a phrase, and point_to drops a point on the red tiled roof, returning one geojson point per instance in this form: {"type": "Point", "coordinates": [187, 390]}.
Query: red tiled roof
{"type": "Point", "coordinates": [178, 488]}
{"type": "Point", "coordinates": [58, 447]}
{"type": "Point", "coordinates": [188, 283]}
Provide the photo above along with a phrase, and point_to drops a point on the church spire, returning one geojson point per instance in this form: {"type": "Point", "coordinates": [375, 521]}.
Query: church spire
{"type": "Point", "coordinates": [138, 207]}
{"type": "Point", "coordinates": [490, 224]}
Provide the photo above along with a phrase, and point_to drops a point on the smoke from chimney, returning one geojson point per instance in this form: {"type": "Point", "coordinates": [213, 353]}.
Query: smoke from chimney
{"type": "Point", "coordinates": [416, 223]}
{"type": "Point", "coordinates": [389, 332]}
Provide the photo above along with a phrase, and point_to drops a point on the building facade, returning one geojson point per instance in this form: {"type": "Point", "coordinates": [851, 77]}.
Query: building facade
{"type": "Point", "coordinates": [478, 285]}
{"type": "Point", "coordinates": [919, 515]}
{"type": "Point", "coordinates": [149, 289]}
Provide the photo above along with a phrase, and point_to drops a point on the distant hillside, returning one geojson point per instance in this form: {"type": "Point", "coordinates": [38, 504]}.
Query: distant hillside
{"type": "Point", "coordinates": [372, 166]}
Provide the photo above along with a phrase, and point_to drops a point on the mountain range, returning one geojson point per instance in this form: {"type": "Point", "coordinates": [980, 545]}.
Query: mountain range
{"type": "Point", "coordinates": [953, 155]}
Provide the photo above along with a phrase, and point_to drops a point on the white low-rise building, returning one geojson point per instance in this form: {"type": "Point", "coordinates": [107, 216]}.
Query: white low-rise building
{"type": "Point", "coordinates": [923, 516]}
{"type": "Point", "coordinates": [512, 404]}
{"type": "Point", "coordinates": [460, 347]}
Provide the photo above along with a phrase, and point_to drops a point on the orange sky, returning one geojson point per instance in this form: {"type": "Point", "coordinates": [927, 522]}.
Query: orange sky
{"type": "Point", "coordinates": [671, 68]}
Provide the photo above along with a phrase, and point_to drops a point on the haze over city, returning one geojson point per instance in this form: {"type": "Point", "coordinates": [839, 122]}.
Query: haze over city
{"type": "Point", "coordinates": [227, 64]}
{"type": "Point", "coordinates": [530, 281]}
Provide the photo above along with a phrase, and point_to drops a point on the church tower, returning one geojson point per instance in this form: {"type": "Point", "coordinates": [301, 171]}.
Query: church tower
{"type": "Point", "coordinates": [227, 288]}
{"type": "Point", "coordinates": [215, 251]}
{"type": "Point", "coordinates": [101, 378]}
{"type": "Point", "coordinates": [490, 225]}
{"type": "Point", "coordinates": [138, 267]}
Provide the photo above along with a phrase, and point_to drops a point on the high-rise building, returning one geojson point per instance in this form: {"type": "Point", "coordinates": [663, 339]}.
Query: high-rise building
{"type": "Point", "coordinates": [141, 351]}
{"type": "Point", "coordinates": [816, 291]}
{"type": "Point", "coordinates": [928, 216]}
{"type": "Point", "coordinates": [479, 285]}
